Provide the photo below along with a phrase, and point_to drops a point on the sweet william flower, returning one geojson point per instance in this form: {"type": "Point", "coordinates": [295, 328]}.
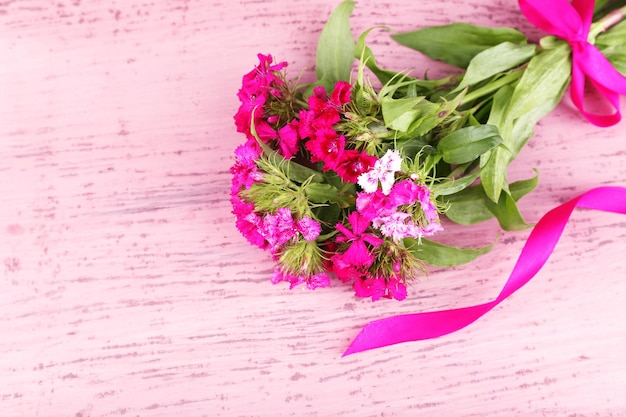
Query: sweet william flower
{"type": "Point", "coordinates": [326, 147]}
{"type": "Point", "coordinates": [312, 282]}
{"type": "Point", "coordinates": [354, 163]}
{"type": "Point", "coordinates": [369, 287]}
{"type": "Point", "coordinates": [263, 75]}
{"type": "Point", "coordinates": [341, 94]}
{"type": "Point", "coordinates": [244, 170]}
{"type": "Point", "coordinates": [309, 228]}
{"type": "Point", "coordinates": [376, 204]}
{"type": "Point", "coordinates": [384, 171]}
{"type": "Point", "coordinates": [357, 254]}
{"type": "Point", "coordinates": [378, 288]}
{"type": "Point", "coordinates": [395, 225]}
{"type": "Point", "coordinates": [288, 139]}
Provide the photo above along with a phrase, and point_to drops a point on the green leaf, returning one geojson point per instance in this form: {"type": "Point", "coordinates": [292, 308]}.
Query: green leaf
{"type": "Point", "coordinates": [457, 43]}
{"type": "Point", "coordinates": [326, 193]}
{"type": "Point", "coordinates": [415, 116]}
{"type": "Point", "coordinates": [494, 176]}
{"type": "Point", "coordinates": [454, 185]}
{"type": "Point", "coordinates": [438, 254]}
{"type": "Point", "coordinates": [399, 114]}
{"type": "Point", "coordinates": [470, 205]}
{"type": "Point", "coordinates": [507, 213]}
{"type": "Point", "coordinates": [364, 53]}
{"type": "Point", "coordinates": [495, 162]}
{"type": "Point", "coordinates": [468, 143]}
{"type": "Point", "coordinates": [497, 59]}
{"type": "Point", "coordinates": [335, 49]}
{"type": "Point", "coordinates": [516, 113]}
{"type": "Point", "coordinates": [615, 36]}
{"type": "Point", "coordinates": [544, 81]}
{"type": "Point", "coordinates": [519, 189]}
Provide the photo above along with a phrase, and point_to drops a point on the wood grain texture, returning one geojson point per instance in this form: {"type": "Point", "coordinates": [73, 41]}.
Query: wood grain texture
{"type": "Point", "coordinates": [127, 291]}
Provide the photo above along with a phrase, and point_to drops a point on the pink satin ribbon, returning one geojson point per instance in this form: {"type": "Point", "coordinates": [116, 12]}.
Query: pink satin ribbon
{"type": "Point", "coordinates": [536, 251]}
{"type": "Point", "coordinates": [571, 22]}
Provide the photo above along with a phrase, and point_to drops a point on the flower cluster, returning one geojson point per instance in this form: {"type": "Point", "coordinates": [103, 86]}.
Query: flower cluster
{"type": "Point", "coordinates": [305, 188]}
{"type": "Point", "coordinates": [341, 179]}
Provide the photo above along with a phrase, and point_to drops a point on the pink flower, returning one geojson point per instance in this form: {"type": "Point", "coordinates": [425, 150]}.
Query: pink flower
{"type": "Point", "coordinates": [318, 102]}
{"type": "Point", "coordinates": [395, 225]}
{"type": "Point", "coordinates": [288, 139]}
{"type": "Point", "coordinates": [320, 280]}
{"type": "Point", "coordinates": [309, 228]}
{"type": "Point", "coordinates": [317, 281]}
{"type": "Point", "coordinates": [373, 205]}
{"type": "Point", "coordinates": [430, 229]}
{"type": "Point", "coordinates": [353, 163]}
{"type": "Point", "coordinates": [345, 272]}
{"type": "Point", "coordinates": [244, 170]}
{"type": "Point", "coordinates": [395, 289]}
{"type": "Point", "coordinates": [341, 94]}
{"type": "Point", "coordinates": [249, 103]}
{"type": "Point", "coordinates": [430, 211]}
{"type": "Point", "coordinates": [248, 225]}
{"type": "Point", "coordinates": [326, 147]}
{"type": "Point", "coordinates": [278, 229]}
{"type": "Point", "coordinates": [262, 76]}
{"type": "Point", "coordinates": [377, 288]}
{"type": "Point", "coordinates": [256, 88]}
{"type": "Point", "coordinates": [406, 192]}
{"type": "Point", "coordinates": [357, 254]}
{"type": "Point", "coordinates": [369, 287]}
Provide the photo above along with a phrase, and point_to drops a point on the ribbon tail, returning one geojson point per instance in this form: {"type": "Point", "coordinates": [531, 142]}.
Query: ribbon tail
{"type": "Point", "coordinates": [414, 327]}
{"type": "Point", "coordinates": [536, 251]}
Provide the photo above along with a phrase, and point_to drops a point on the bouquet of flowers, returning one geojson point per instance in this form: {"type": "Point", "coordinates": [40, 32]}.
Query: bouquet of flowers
{"type": "Point", "coordinates": [349, 178]}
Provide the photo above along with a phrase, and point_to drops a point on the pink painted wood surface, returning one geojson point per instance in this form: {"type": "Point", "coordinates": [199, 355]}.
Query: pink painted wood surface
{"type": "Point", "coordinates": [126, 289]}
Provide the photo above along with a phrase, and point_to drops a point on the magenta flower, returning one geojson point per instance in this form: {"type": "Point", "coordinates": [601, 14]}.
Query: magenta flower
{"type": "Point", "coordinates": [309, 228]}
{"type": "Point", "coordinates": [369, 287]}
{"type": "Point", "coordinates": [373, 205]}
{"type": "Point", "coordinates": [377, 288]}
{"type": "Point", "coordinates": [395, 225]}
{"type": "Point", "coordinates": [406, 192]}
{"type": "Point", "coordinates": [326, 147]}
{"type": "Point", "coordinates": [262, 76]}
{"type": "Point", "coordinates": [320, 280]}
{"type": "Point", "coordinates": [430, 211]}
{"type": "Point", "coordinates": [244, 169]}
{"type": "Point", "coordinates": [395, 289]}
{"type": "Point", "coordinates": [354, 163]}
{"type": "Point", "coordinates": [345, 272]}
{"type": "Point", "coordinates": [358, 253]}
{"type": "Point", "coordinates": [278, 229]}
{"type": "Point", "coordinates": [248, 226]}
{"type": "Point", "coordinates": [288, 139]}
{"type": "Point", "coordinates": [317, 281]}
{"type": "Point", "coordinates": [341, 94]}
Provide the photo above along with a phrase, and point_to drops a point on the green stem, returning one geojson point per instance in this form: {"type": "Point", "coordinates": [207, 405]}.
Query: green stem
{"type": "Point", "coordinates": [492, 87]}
{"type": "Point", "coordinates": [605, 23]}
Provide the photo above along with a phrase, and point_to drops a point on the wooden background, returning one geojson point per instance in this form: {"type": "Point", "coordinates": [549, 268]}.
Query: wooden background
{"type": "Point", "coordinates": [126, 290]}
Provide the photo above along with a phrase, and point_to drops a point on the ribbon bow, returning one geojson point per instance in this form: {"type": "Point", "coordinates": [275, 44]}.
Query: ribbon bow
{"type": "Point", "coordinates": [571, 22]}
